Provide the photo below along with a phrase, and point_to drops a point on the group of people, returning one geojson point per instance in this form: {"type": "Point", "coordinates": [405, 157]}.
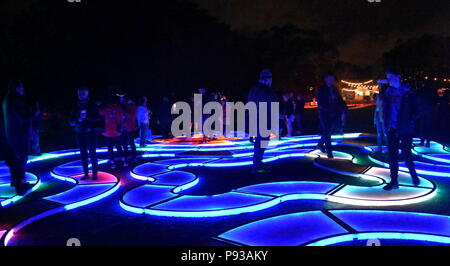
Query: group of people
{"type": "Point", "coordinates": [398, 108]}
{"type": "Point", "coordinates": [292, 107]}
{"type": "Point", "coordinates": [119, 119]}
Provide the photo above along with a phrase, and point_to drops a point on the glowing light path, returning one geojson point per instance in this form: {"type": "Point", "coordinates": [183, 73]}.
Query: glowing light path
{"type": "Point", "coordinates": [323, 228]}
{"type": "Point", "coordinates": [424, 169]}
{"type": "Point", "coordinates": [8, 195]}
{"type": "Point", "coordinates": [82, 193]}
{"type": "Point", "coordinates": [436, 152]}
{"type": "Point", "coordinates": [375, 195]}
{"type": "Point", "coordinates": [167, 177]}
{"type": "Point", "coordinates": [163, 199]}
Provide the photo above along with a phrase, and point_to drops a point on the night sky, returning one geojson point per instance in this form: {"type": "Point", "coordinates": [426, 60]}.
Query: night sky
{"type": "Point", "coordinates": [362, 31]}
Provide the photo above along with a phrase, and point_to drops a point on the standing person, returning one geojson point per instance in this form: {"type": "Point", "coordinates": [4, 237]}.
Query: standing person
{"type": "Point", "coordinates": [225, 118]}
{"type": "Point", "coordinates": [17, 114]}
{"type": "Point", "coordinates": [284, 113]}
{"type": "Point", "coordinates": [290, 112]}
{"type": "Point", "coordinates": [299, 107]}
{"type": "Point", "coordinates": [262, 93]}
{"type": "Point", "coordinates": [113, 116]}
{"type": "Point", "coordinates": [85, 118]}
{"type": "Point", "coordinates": [35, 131]}
{"type": "Point", "coordinates": [444, 112]}
{"type": "Point", "coordinates": [331, 107]}
{"type": "Point", "coordinates": [428, 97]}
{"type": "Point", "coordinates": [400, 110]}
{"type": "Point", "coordinates": [378, 115]}
{"type": "Point", "coordinates": [143, 120]}
{"type": "Point", "coordinates": [13, 163]}
{"type": "Point", "coordinates": [206, 97]}
{"type": "Point", "coordinates": [165, 117]}
{"type": "Point", "coordinates": [129, 126]}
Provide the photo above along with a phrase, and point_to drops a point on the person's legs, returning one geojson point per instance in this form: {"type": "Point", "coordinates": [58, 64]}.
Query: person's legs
{"type": "Point", "coordinates": [327, 127]}
{"type": "Point", "coordinates": [82, 139]}
{"type": "Point", "coordinates": [327, 140]}
{"type": "Point", "coordinates": [110, 143]}
{"type": "Point", "coordinates": [118, 144]}
{"type": "Point", "coordinates": [130, 137]}
{"type": "Point", "coordinates": [393, 145]}
{"type": "Point", "coordinates": [290, 121]}
{"type": "Point", "coordinates": [259, 148]}
{"type": "Point", "coordinates": [19, 176]}
{"type": "Point", "coordinates": [406, 146]}
{"type": "Point", "coordinates": [428, 128]}
{"type": "Point", "coordinates": [124, 141]}
{"type": "Point", "coordinates": [92, 146]}
{"type": "Point", "coordinates": [35, 147]}
{"type": "Point", "coordinates": [143, 134]}
{"type": "Point", "coordinates": [17, 171]}
{"type": "Point", "coordinates": [379, 136]}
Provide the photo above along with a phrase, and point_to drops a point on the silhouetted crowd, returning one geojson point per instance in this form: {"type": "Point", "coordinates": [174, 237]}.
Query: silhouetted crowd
{"type": "Point", "coordinates": [118, 120]}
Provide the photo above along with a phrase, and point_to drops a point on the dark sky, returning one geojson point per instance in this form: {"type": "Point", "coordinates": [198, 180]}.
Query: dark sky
{"type": "Point", "coordinates": [362, 31]}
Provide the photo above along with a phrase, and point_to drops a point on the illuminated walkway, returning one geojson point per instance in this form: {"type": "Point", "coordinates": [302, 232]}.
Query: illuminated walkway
{"type": "Point", "coordinates": [160, 184]}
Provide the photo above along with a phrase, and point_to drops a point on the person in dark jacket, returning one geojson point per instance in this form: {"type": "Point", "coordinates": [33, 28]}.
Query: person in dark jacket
{"type": "Point", "coordinates": [113, 114]}
{"type": "Point", "coordinates": [428, 97]}
{"type": "Point", "coordinates": [17, 114]}
{"type": "Point", "coordinates": [287, 110]}
{"type": "Point", "coordinates": [165, 117]}
{"type": "Point", "coordinates": [35, 131]}
{"type": "Point", "coordinates": [262, 93]}
{"type": "Point", "coordinates": [400, 111]}
{"type": "Point", "coordinates": [299, 107]}
{"type": "Point", "coordinates": [331, 108]}
{"type": "Point", "coordinates": [85, 118]}
{"type": "Point", "coordinates": [378, 115]}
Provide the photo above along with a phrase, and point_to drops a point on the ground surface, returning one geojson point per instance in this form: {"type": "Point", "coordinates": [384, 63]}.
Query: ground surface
{"type": "Point", "coordinates": [172, 197]}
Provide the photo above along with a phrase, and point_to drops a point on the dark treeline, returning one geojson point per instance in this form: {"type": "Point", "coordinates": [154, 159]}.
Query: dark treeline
{"type": "Point", "coordinates": [147, 48]}
{"type": "Point", "coordinates": [158, 48]}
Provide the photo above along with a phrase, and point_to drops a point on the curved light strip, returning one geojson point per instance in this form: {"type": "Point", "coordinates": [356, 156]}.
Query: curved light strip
{"type": "Point", "coordinates": [10, 234]}
{"type": "Point", "coordinates": [381, 235]}
{"type": "Point", "coordinates": [381, 203]}
{"type": "Point", "coordinates": [419, 171]}
{"type": "Point", "coordinates": [431, 192]}
{"type": "Point", "coordinates": [224, 212]}
{"type": "Point", "coordinates": [15, 198]}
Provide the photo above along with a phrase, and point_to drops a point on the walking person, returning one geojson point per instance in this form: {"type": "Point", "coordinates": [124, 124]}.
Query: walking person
{"type": "Point", "coordinates": [262, 93]}
{"type": "Point", "coordinates": [85, 118]}
{"type": "Point", "coordinates": [428, 98]}
{"type": "Point", "coordinates": [331, 106]}
{"type": "Point", "coordinates": [129, 127]}
{"type": "Point", "coordinates": [290, 113]}
{"type": "Point", "coordinates": [284, 115]}
{"type": "Point", "coordinates": [165, 117]}
{"type": "Point", "coordinates": [143, 120]}
{"type": "Point", "coordinates": [14, 166]}
{"type": "Point", "coordinates": [443, 114]}
{"type": "Point", "coordinates": [400, 110]}
{"type": "Point", "coordinates": [17, 115]}
{"type": "Point", "coordinates": [113, 116]}
{"type": "Point", "coordinates": [299, 107]}
{"type": "Point", "coordinates": [378, 115]}
{"type": "Point", "coordinates": [35, 131]}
